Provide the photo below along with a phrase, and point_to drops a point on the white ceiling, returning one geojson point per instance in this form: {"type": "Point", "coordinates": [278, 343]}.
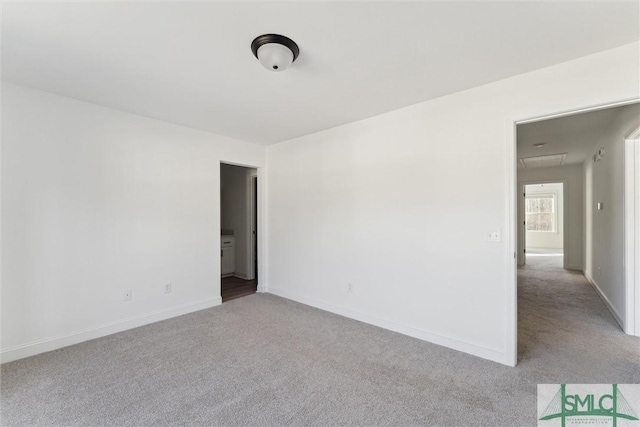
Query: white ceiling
{"type": "Point", "coordinates": [577, 135]}
{"type": "Point", "coordinates": [190, 62]}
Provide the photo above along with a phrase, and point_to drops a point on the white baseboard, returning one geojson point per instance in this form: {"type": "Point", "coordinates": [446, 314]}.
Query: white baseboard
{"type": "Point", "coordinates": [605, 300]}
{"type": "Point", "coordinates": [54, 343]}
{"type": "Point", "coordinates": [446, 341]}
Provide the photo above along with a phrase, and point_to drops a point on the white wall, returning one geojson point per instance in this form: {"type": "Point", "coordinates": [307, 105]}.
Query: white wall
{"type": "Point", "coordinates": [573, 175]}
{"type": "Point", "coordinates": [548, 239]}
{"type": "Point", "coordinates": [235, 193]}
{"type": "Point", "coordinates": [95, 202]}
{"type": "Point", "coordinates": [604, 229]}
{"type": "Point", "coordinates": [400, 205]}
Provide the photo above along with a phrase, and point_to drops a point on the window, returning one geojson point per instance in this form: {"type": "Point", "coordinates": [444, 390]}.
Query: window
{"type": "Point", "coordinates": [541, 212]}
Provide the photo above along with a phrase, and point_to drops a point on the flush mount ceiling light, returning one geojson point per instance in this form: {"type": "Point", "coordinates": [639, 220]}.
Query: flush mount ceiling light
{"type": "Point", "coordinates": [539, 144]}
{"type": "Point", "coordinates": [275, 52]}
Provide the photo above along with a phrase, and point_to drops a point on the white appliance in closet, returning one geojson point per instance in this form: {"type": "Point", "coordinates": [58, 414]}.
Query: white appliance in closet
{"type": "Point", "coordinates": [227, 255]}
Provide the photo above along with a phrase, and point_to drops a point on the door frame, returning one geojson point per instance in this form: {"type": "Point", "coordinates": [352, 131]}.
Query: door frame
{"type": "Point", "coordinates": [251, 220]}
{"type": "Point", "coordinates": [261, 212]}
{"type": "Point", "coordinates": [632, 232]}
{"type": "Point", "coordinates": [521, 217]}
{"type": "Point", "coordinates": [511, 210]}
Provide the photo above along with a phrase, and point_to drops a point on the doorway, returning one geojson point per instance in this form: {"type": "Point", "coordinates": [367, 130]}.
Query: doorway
{"type": "Point", "coordinates": [238, 231]}
{"type": "Point", "coordinates": [543, 211]}
{"type": "Point", "coordinates": [585, 152]}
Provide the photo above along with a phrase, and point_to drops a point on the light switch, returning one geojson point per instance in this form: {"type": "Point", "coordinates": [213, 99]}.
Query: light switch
{"type": "Point", "coordinates": [600, 206]}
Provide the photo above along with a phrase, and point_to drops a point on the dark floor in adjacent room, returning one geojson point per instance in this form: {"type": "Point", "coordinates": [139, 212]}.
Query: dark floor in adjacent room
{"type": "Point", "coordinates": [234, 287]}
{"type": "Point", "coordinates": [263, 360]}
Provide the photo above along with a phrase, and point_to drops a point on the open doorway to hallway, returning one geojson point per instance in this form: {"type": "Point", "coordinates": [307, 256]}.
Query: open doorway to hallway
{"type": "Point", "coordinates": [570, 228]}
{"type": "Point", "coordinates": [238, 231]}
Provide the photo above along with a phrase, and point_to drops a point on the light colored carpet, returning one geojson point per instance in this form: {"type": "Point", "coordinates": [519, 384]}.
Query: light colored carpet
{"type": "Point", "coordinates": [263, 360]}
{"type": "Point", "coordinates": [544, 251]}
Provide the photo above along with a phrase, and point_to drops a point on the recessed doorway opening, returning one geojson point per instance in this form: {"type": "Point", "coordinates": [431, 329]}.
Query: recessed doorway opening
{"type": "Point", "coordinates": [238, 231]}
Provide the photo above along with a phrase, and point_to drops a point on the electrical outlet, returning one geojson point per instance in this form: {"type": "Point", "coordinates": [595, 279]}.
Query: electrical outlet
{"type": "Point", "coordinates": [128, 295]}
{"type": "Point", "coordinates": [349, 287]}
{"type": "Point", "coordinates": [167, 288]}
{"type": "Point", "coordinates": [494, 236]}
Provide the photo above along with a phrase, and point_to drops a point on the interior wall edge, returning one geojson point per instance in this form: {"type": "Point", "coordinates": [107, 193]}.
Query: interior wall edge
{"type": "Point", "coordinates": [606, 301]}
{"type": "Point", "coordinates": [492, 354]}
{"type": "Point", "coordinates": [49, 344]}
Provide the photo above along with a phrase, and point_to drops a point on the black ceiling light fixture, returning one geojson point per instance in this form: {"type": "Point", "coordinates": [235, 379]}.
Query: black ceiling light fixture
{"type": "Point", "coordinates": [275, 52]}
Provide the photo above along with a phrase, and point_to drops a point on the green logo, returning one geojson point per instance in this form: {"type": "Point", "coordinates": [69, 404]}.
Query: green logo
{"type": "Point", "coordinates": [611, 406]}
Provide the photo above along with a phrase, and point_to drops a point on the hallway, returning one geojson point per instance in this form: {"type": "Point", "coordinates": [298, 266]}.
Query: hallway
{"type": "Point", "coordinates": [563, 322]}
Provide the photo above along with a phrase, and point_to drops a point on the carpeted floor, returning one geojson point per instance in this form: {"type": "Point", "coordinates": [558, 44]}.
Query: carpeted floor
{"type": "Point", "coordinates": [262, 360]}
{"type": "Point", "coordinates": [535, 252]}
